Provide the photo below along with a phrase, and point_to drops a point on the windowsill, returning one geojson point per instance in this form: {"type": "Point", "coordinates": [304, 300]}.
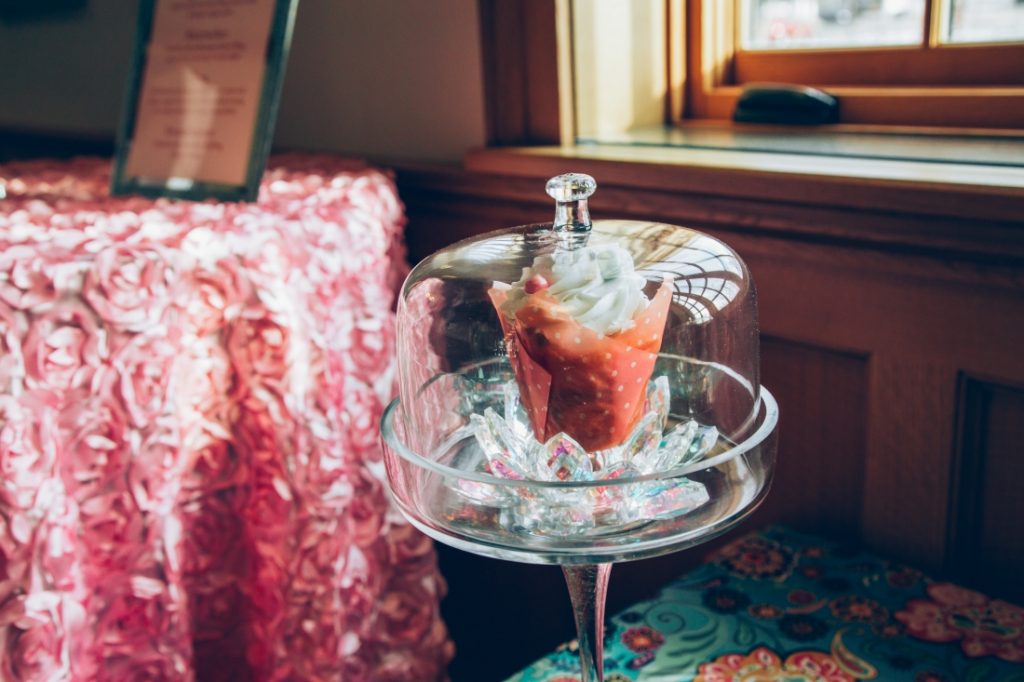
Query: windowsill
{"type": "Point", "coordinates": [981, 148]}
{"type": "Point", "coordinates": [938, 187]}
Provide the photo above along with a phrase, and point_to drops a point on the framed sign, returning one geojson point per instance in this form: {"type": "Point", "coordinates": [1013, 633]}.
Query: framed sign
{"type": "Point", "coordinates": [202, 98]}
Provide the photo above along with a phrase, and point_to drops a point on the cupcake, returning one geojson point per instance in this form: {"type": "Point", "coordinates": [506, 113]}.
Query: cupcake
{"type": "Point", "coordinates": [582, 339]}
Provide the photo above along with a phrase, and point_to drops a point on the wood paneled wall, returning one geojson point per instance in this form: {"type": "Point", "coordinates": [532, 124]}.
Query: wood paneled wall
{"type": "Point", "coordinates": [896, 355]}
{"type": "Point", "coordinates": [986, 541]}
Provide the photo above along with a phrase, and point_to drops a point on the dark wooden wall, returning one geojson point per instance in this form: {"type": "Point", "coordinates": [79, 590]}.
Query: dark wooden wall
{"type": "Point", "coordinates": [894, 342]}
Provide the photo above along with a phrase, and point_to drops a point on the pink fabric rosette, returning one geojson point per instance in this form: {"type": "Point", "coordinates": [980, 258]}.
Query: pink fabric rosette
{"type": "Point", "coordinates": [189, 398]}
{"type": "Point", "coordinates": [12, 361]}
{"type": "Point", "coordinates": [28, 450]}
{"type": "Point", "coordinates": [30, 276]}
{"type": "Point", "coordinates": [63, 348]}
{"type": "Point", "coordinates": [128, 286]}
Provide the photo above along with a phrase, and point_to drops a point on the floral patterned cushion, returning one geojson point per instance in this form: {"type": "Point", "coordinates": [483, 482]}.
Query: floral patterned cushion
{"type": "Point", "coordinates": [779, 605]}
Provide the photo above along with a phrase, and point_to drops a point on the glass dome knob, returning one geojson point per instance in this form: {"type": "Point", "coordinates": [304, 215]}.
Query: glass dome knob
{"type": "Point", "coordinates": [570, 192]}
{"type": "Point", "coordinates": [571, 187]}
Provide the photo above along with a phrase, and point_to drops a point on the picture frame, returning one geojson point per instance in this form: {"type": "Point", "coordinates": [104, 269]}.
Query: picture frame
{"type": "Point", "coordinates": [139, 148]}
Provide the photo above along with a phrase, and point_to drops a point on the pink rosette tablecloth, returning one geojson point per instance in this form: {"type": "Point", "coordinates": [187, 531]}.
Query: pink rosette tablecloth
{"type": "Point", "coordinates": [190, 475]}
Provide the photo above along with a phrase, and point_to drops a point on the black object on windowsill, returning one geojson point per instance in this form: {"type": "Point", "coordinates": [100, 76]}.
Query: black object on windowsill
{"type": "Point", "coordinates": [791, 104]}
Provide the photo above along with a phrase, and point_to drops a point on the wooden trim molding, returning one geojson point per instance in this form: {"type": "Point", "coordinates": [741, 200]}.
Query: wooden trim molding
{"type": "Point", "coordinates": [967, 471]}
{"type": "Point", "coordinates": [947, 65]}
{"type": "Point", "coordinates": [985, 540]}
{"type": "Point", "coordinates": [880, 229]}
{"type": "Point", "coordinates": [992, 108]}
{"type": "Point", "coordinates": [527, 78]}
{"type": "Point", "coordinates": [950, 190]}
{"type": "Point", "coordinates": [969, 86]}
{"type": "Point", "coordinates": [675, 38]}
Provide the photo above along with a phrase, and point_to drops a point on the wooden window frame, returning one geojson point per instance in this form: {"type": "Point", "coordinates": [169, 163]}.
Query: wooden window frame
{"type": "Point", "coordinates": [529, 84]}
{"type": "Point", "coordinates": [933, 84]}
{"type": "Point", "coordinates": [527, 67]}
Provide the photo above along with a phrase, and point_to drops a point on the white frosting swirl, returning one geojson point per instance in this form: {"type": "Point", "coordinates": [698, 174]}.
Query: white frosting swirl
{"type": "Point", "coordinates": [596, 285]}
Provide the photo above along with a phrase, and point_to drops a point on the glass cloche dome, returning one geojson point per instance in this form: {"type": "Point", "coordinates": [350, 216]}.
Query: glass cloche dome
{"type": "Point", "coordinates": [579, 390]}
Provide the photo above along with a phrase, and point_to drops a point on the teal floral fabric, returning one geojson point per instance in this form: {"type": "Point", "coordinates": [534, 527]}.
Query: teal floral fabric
{"type": "Point", "coordinates": [779, 605]}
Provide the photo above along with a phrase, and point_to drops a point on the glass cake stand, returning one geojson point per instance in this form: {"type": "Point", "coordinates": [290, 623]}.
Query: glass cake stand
{"type": "Point", "coordinates": [500, 447]}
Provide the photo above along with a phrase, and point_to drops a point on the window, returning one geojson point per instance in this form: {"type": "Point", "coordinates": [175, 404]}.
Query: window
{"type": "Point", "coordinates": [904, 62]}
{"type": "Point", "coordinates": [565, 70]}
{"type": "Point", "coordinates": [785, 24]}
